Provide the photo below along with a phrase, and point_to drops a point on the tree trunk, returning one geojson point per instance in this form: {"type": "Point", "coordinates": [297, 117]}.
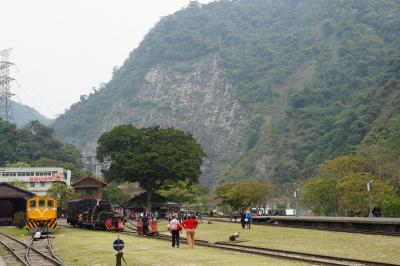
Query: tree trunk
{"type": "Point", "coordinates": [149, 198]}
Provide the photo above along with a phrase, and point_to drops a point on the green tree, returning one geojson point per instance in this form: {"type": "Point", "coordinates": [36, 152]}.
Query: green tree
{"type": "Point", "coordinates": [62, 193]}
{"type": "Point", "coordinates": [35, 145]}
{"type": "Point", "coordinates": [151, 156]}
{"type": "Point", "coordinates": [114, 194]}
{"type": "Point", "coordinates": [383, 162]}
{"type": "Point", "coordinates": [391, 207]}
{"type": "Point", "coordinates": [242, 195]}
{"type": "Point", "coordinates": [319, 194]}
{"type": "Point", "coordinates": [353, 194]}
{"type": "Point", "coordinates": [8, 142]}
{"type": "Point", "coordinates": [17, 165]}
{"type": "Point", "coordinates": [341, 166]}
{"type": "Point", "coordinates": [181, 191]}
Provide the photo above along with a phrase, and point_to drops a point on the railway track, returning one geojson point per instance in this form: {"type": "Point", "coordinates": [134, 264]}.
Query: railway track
{"type": "Point", "coordinates": [281, 254]}
{"type": "Point", "coordinates": [29, 255]}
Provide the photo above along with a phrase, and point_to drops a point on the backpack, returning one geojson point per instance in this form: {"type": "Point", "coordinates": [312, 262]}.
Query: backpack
{"type": "Point", "coordinates": [173, 225]}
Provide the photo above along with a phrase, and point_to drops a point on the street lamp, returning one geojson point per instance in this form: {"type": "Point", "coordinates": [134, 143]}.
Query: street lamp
{"type": "Point", "coordinates": [296, 195]}
{"type": "Point", "coordinates": [369, 187]}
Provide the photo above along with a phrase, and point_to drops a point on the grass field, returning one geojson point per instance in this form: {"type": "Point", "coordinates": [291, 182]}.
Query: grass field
{"type": "Point", "coordinates": [84, 247]}
{"type": "Point", "coordinates": [368, 247]}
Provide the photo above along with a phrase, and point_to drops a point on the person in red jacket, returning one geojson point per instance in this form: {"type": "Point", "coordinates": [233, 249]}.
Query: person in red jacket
{"type": "Point", "coordinates": [190, 226]}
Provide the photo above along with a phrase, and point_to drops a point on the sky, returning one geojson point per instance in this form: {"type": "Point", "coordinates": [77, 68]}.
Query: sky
{"type": "Point", "coordinates": [64, 48]}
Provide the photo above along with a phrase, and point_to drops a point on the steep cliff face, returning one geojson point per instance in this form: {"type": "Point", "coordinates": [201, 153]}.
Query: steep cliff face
{"type": "Point", "coordinates": [190, 95]}
{"type": "Point", "coordinates": [269, 88]}
{"type": "Point", "coordinates": [195, 97]}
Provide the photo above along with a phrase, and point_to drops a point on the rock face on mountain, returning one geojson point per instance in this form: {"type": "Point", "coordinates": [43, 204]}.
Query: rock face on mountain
{"type": "Point", "coordinates": [269, 88]}
{"type": "Point", "coordinates": [193, 96]}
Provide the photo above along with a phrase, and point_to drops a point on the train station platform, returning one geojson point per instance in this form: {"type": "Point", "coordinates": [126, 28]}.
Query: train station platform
{"type": "Point", "coordinates": [377, 225]}
{"type": "Point", "coordinates": [387, 226]}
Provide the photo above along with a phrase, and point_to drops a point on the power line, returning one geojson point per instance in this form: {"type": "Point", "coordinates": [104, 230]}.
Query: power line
{"type": "Point", "coordinates": [25, 109]}
{"type": "Point", "coordinates": [31, 88]}
{"type": "Point", "coordinates": [5, 85]}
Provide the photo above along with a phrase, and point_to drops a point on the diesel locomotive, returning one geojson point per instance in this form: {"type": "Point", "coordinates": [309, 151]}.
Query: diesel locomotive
{"type": "Point", "coordinates": [41, 214]}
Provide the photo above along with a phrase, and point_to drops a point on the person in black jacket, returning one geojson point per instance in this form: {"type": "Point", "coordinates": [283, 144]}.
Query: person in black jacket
{"type": "Point", "coordinates": [145, 222]}
{"type": "Point", "coordinates": [242, 220]}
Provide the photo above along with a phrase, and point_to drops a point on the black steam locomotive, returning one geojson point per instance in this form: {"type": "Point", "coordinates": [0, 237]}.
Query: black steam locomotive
{"type": "Point", "coordinates": [94, 214]}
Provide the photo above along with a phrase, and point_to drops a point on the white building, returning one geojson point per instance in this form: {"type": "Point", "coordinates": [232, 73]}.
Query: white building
{"type": "Point", "coordinates": [38, 179]}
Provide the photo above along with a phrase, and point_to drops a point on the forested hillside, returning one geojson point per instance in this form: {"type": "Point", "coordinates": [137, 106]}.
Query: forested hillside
{"type": "Point", "coordinates": [35, 145]}
{"type": "Point", "coordinates": [270, 88]}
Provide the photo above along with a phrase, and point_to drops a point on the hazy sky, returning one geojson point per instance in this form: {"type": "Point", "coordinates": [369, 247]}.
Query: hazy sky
{"type": "Point", "coordinates": [62, 49]}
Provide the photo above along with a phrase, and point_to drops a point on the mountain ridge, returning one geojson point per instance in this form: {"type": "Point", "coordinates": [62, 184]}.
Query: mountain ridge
{"type": "Point", "coordinates": [277, 86]}
{"type": "Point", "coordinates": [23, 114]}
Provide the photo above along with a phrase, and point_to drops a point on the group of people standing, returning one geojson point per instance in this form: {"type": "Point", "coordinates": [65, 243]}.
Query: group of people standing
{"type": "Point", "coordinates": [183, 215]}
{"type": "Point", "coordinates": [175, 226]}
{"type": "Point", "coordinates": [133, 215]}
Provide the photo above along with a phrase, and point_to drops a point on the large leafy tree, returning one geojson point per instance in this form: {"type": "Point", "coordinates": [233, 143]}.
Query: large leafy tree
{"type": "Point", "coordinates": [151, 156]}
{"type": "Point", "coordinates": [245, 194]}
{"type": "Point", "coordinates": [114, 194]}
{"type": "Point", "coordinates": [353, 194]}
{"type": "Point", "coordinates": [319, 194]}
{"type": "Point", "coordinates": [183, 192]}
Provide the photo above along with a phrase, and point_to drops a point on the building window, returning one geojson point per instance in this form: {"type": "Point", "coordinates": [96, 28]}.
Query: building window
{"type": "Point", "coordinates": [42, 184]}
{"type": "Point", "coordinates": [32, 184]}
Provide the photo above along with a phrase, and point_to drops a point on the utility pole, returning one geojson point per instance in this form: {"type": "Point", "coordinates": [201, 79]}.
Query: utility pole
{"type": "Point", "coordinates": [5, 85]}
{"type": "Point", "coordinates": [369, 187]}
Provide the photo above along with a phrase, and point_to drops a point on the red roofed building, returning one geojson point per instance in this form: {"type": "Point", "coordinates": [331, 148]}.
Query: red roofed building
{"type": "Point", "coordinates": [89, 188]}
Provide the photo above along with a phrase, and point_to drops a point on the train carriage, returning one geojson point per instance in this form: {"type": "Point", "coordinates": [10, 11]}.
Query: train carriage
{"type": "Point", "coordinates": [41, 214]}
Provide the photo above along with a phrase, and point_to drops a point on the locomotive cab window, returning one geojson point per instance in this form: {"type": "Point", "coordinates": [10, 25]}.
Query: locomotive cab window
{"type": "Point", "coordinates": [50, 203]}
{"type": "Point", "coordinates": [32, 203]}
{"type": "Point", "coordinates": [41, 203]}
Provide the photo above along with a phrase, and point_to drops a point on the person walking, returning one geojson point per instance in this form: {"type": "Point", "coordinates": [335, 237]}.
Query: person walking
{"type": "Point", "coordinates": [175, 227]}
{"type": "Point", "coordinates": [242, 220]}
{"type": "Point", "coordinates": [145, 222]}
{"type": "Point", "coordinates": [247, 219]}
{"type": "Point", "coordinates": [200, 217]}
{"type": "Point", "coordinates": [190, 225]}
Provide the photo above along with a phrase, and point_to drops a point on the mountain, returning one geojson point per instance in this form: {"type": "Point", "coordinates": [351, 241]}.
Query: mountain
{"type": "Point", "coordinates": [23, 114]}
{"type": "Point", "coordinates": [269, 88]}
